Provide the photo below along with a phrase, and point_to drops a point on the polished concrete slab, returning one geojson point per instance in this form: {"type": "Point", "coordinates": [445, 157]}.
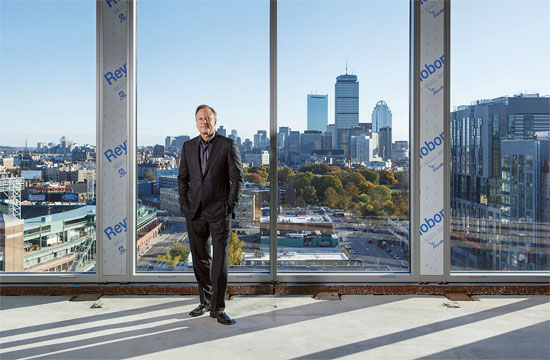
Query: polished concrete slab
{"type": "Point", "coordinates": [276, 327]}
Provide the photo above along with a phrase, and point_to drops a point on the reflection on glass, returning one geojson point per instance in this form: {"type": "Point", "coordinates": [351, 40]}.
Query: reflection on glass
{"type": "Point", "coordinates": [47, 162]}
{"type": "Point", "coordinates": [223, 63]}
{"type": "Point", "coordinates": [343, 137]}
{"type": "Point", "coordinates": [500, 214]}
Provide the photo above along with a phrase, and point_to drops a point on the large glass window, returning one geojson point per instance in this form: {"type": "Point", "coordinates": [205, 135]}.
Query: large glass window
{"type": "Point", "coordinates": [192, 53]}
{"type": "Point", "coordinates": [511, 232]}
{"type": "Point", "coordinates": [47, 136]}
{"type": "Point", "coordinates": [343, 136]}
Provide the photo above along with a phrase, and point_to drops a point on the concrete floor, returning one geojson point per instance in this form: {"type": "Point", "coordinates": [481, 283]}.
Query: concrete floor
{"type": "Point", "coordinates": [293, 327]}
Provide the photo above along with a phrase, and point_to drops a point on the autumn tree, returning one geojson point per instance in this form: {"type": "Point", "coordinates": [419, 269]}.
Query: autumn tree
{"type": "Point", "coordinates": [387, 178]}
{"type": "Point", "coordinates": [254, 178]}
{"type": "Point", "coordinates": [400, 199]}
{"type": "Point", "coordinates": [355, 177]}
{"type": "Point", "coordinates": [317, 168]}
{"type": "Point", "coordinates": [235, 253]}
{"type": "Point", "coordinates": [352, 190]}
{"type": "Point", "coordinates": [263, 171]}
{"type": "Point", "coordinates": [150, 176]}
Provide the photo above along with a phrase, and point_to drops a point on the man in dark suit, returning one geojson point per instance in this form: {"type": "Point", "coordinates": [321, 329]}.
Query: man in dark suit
{"type": "Point", "coordinates": [209, 181]}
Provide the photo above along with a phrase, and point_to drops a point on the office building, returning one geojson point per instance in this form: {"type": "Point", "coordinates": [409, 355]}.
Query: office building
{"type": "Point", "coordinates": [158, 151]}
{"type": "Point", "coordinates": [311, 140]}
{"type": "Point", "coordinates": [364, 148]}
{"type": "Point", "coordinates": [496, 184]}
{"type": "Point", "coordinates": [381, 116]}
{"type": "Point", "coordinates": [346, 109]}
{"type": "Point", "coordinates": [261, 140]}
{"type": "Point", "coordinates": [317, 112]}
{"type": "Point", "coordinates": [169, 141]}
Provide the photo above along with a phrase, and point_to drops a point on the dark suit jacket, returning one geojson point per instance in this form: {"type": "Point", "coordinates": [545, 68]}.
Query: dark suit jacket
{"type": "Point", "coordinates": [218, 189]}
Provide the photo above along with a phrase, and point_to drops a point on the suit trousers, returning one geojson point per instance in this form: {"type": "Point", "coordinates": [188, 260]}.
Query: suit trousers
{"type": "Point", "coordinates": [210, 269]}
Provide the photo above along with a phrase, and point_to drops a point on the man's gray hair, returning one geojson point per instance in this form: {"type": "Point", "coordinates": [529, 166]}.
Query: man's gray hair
{"type": "Point", "coordinates": [200, 107]}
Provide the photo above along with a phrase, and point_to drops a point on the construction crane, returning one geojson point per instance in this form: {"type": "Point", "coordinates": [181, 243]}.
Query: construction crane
{"type": "Point", "coordinates": [12, 188]}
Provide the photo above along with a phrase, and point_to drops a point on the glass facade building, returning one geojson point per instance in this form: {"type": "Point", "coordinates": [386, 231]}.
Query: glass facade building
{"type": "Point", "coordinates": [381, 116]}
{"type": "Point", "coordinates": [346, 109]}
{"type": "Point", "coordinates": [317, 112]}
{"type": "Point", "coordinates": [499, 148]}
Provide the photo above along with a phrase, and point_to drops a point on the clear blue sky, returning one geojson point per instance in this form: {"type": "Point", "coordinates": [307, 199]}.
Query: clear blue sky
{"type": "Point", "coordinates": [218, 53]}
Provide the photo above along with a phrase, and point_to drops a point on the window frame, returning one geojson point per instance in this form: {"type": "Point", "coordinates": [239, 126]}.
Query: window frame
{"type": "Point", "coordinates": [415, 43]}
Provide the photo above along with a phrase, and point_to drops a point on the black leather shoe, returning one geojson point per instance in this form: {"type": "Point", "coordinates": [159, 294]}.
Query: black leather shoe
{"type": "Point", "coordinates": [222, 317]}
{"type": "Point", "coordinates": [199, 310]}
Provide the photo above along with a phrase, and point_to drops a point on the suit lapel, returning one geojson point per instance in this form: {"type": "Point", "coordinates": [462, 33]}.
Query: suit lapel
{"type": "Point", "coordinates": [194, 156]}
{"type": "Point", "coordinates": [216, 143]}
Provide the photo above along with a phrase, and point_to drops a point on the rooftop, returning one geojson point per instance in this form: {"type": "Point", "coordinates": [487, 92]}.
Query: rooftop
{"type": "Point", "coordinates": [67, 215]}
{"type": "Point", "coordinates": [300, 219]}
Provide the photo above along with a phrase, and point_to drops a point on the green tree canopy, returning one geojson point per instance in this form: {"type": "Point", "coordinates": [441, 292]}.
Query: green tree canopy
{"type": "Point", "coordinates": [300, 180]}
{"type": "Point", "coordinates": [178, 249]}
{"type": "Point", "coordinates": [309, 194]}
{"type": "Point", "coordinates": [283, 173]}
{"type": "Point", "coordinates": [330, 197]}
{"type": "Point", "coordinates": [322, 182]}
{"type": "Point", "coordinates": [380, 194]}
{"type": "Point", "coordinates": [178, 252]}
{"type": "Point", "coordinates": [343, 200]}
{"type": "Point", "coordinates": [371, 175]}
{"type": "Point", "coordinates": [318, 169]}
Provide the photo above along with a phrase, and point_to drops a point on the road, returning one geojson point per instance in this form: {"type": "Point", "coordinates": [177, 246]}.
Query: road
{"type": "Point", "coordinates": [369, 252]}
{"type": "Point", "coordinates": [173, 233]}
{"type": "Point", "coordinates": [176, 231]}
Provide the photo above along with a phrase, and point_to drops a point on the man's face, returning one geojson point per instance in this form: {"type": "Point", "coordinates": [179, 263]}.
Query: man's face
{"type": "Point", "coordinates": [206, 122]}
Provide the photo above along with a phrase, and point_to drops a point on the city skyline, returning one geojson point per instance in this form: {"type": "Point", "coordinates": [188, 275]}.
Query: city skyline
{"type": "Point", "coordinates": [160, 113]}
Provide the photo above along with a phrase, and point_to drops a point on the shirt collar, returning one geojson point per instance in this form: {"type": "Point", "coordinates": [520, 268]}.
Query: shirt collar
{"type": "Point", "coordinates": [209, 140]}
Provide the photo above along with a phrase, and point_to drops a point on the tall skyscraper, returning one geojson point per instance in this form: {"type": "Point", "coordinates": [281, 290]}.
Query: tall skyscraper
{"type": "Point", "coordinates": [317, 112]}
{"type": "Point", "coordinates": [381, 116]}
{"type": "Point", "coordinates": [381, 123]}
{"type": "Point", "coordinates": [222, 131]}
{"type": "Point", "coordinates": [346, 109]}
